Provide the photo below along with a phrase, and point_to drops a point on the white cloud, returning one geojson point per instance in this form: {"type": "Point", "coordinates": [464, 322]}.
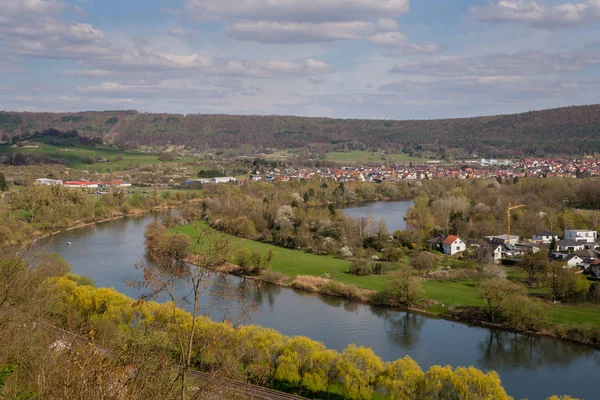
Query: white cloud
{"type": "Point", "coordinates": [299, 32]}
{"type": "Point", "coordinates": [273, 69]}
{"type": "Point", "coordinates": [532, 13]}
{"type": "Point", "coordinates": [516, 64]}
{"type": "Point", "coordinates": [178, 31]}
{"type": "Point", "coordinates": [389, 39]}
{"type": "Point", "coordinates": [297, 10]}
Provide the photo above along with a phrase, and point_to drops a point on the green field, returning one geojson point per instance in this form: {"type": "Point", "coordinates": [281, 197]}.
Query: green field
{"type": "Point", "coordinates": [75, 153]}
{"type": "Point", "coordinates": [366, 156]}
{"type": "Point", "coordinates": [448, 293]}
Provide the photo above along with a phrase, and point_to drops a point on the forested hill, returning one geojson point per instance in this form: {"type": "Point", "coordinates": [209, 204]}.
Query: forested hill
{"type": "Point", "coordinates": [561, 131]}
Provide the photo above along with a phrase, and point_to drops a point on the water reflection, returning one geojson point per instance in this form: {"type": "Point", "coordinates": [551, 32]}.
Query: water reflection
{"type": "Point", "coordinates": [403, 328]}
{"type": "Point", "coordinates": [503, 349]}
{"type": "Point", "coordinates": [530, 366]}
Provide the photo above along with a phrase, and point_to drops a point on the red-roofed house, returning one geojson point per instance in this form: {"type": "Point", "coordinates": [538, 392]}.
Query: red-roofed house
{"type": "Point", "coordinates": [452, 245]}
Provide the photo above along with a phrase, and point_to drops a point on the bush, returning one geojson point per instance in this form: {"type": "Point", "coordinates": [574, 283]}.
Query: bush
{"type": "Point", "coordinates": [526, 314]}
{"type": "Point", "coordinates": [274, 277]}
{"type": "Point", "coordinates": [393, 254]}
{"type": "Point", "coordinates": [425, 261]}
{"type": "Point", "coordinates": [335, 288]}
{"type": "Point", "coordinates": [361, 268]}
{"type": "Point", "coordinates": [252, 262]}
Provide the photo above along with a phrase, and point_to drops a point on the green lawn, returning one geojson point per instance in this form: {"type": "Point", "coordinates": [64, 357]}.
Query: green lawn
{"type": "Point", "coordinates": [576, 315]}
{"type": "Point", "coordinates": [447, 293]}
{"type": "Point", "coordinates": [295, 262]}
{"type": "Point", "coordinates": [453, 293]}
{"type": "Point", "coordinates": [75, 153]}
{"type": "Point", "coordinates": [366, 156]}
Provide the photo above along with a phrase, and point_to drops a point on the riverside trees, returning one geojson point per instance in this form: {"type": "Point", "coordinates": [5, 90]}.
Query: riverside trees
{"type": "Point", "coordinates": [132, 349]}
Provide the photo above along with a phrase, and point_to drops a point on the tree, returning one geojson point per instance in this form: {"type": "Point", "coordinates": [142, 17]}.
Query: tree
{"type": "Point", "coordinates": [462, 383]}
{"type": "Point", "coordinates": [297, 359]}
{"type": "Point", "coordinates": [425, 261]}
{"type": "Point", "coordinates": [325, 371]}
{"type": "Point", "coordinates": [3, 184]}
{"type": "Point", "coordinates": [565, 283]}
{"type": "Point", "coordinates": [526, 314]}
{"type": "Point", "coordinates": [262, 347]}
{"type": "Point", "coordinates": [404, 287]}
{"type": "Point", "coordinates": [170, 253]}
{"type": "Point", "coordinates": [552, 247]}
{"type": "Point", "coordinates": [359, 370]}
{"type": "Point", "coordinates": [533, 263]}
{"type": "Point", "coordinates": [403, 379]}
{"type": "Point", "coordinates": [495, 291]}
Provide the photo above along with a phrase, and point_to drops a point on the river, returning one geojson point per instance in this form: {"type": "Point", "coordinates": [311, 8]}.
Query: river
{"type": "Point", "coordinates": [392, 213]}
{"type": "Point", "coordinates": [529, 366]}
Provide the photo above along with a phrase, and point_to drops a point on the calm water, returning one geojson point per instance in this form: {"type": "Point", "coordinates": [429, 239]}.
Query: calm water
{"type": "Point", "coordinates": [530, 367]}
{"type": "Point", "coordinates": [392, 213]}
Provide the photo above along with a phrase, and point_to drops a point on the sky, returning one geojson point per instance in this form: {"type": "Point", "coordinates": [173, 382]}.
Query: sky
{"type": "Point", "coordinates": [391, 59]}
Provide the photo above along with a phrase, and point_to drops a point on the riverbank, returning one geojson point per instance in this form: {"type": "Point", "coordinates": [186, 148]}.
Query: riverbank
{"type": "Point", "coordinates": [450, 300]}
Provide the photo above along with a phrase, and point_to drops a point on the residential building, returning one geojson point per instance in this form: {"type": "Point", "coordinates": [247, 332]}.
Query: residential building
{"type": "Point", "coordinates": [436, 243]}
{"type": "Point", "coordinates": [594, 268]}
{"type": "Point", "coordinates": [569, 245]}
{"type": "Point", "coordinates": [573, 260]}
{"type": "Point", "coordinates": [581, 235]}
{"type": "Point", "coordinates": [545, 237]}
{"type": "Point", "coordinates": [509, 241]}
{"type": "Point", "coordinates": [491, 253]}
{"type": "Point", "coordinates": [452, 245]}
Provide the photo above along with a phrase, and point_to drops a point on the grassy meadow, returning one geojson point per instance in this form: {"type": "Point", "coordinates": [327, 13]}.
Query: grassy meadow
{"type": "Point", "coordinates": [445, 292]}
{"type": "Point", "coordinates": [75, 153]}
{"type": "Point", "coordinates": [367, 156]}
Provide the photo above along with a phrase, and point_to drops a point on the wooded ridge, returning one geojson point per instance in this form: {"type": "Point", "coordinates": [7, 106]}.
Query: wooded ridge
{"type": "Point", "coordinates": [561, 131]}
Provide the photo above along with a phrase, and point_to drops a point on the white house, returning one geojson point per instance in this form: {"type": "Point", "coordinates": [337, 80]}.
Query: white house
{"type": "Point", "coordinates": [491, 252]}
{"type": "Point", "coordinates": [545, 237]}
{"type": "Point", "coordinates": [570, 245]}
{"type": "Point", "coordinates": [581, 235]}
{"type": "Point", "coordinates": [223, 179]}
{"type": "Point", "coordinates": [452, 245]}
{"type": "Point", "coordinates": [573, 260]}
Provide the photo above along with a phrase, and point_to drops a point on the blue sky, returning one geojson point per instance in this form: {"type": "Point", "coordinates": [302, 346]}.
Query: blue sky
{"type": "Point", "coordinates": [394, 59]}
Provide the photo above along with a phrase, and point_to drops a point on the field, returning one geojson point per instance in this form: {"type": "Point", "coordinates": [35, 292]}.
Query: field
{"type": "Point", "coordinates": [75, 153]}
{"type": "Point", "coordinates": [446, 293]}
{"type": "Point", "coordinates": [366, 156]}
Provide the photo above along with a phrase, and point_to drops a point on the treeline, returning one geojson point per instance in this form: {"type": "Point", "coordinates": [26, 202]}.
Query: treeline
{"type": "Point", "coordinates": [130, 349]}
{"type": "Point", "coordinates": [561, 131]}
{"type": "Point", "coordinates": [54, 137]}
{"type": "Point", "coordinates": [472, 208]}
{"type": "Point", "coordinates": [39, 209]}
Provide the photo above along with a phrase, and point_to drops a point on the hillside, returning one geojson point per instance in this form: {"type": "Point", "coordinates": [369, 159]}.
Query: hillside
{"type": "Point", "coordinates": [562, 131]}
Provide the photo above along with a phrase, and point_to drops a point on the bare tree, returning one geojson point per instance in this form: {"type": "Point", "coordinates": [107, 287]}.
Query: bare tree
{"type": "Point", "coordinates": [183, 270]}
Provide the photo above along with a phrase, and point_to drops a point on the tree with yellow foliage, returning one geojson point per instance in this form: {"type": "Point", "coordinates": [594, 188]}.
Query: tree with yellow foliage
{"type": "Point", "coordinates": [403, 379]}
{"type": "Point", "coordinates": [359, 369]}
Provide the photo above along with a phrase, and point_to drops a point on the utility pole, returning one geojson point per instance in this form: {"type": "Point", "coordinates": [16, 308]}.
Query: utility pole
{"type": "Point", "coordinates": [508, 214]}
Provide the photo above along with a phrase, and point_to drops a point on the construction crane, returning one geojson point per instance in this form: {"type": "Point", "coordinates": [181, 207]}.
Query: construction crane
{"type": "Point", "coordinates": [508, 211]}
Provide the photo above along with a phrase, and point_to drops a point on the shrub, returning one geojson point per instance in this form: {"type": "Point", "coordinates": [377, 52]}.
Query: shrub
{"type": "Point", "coordinates": [274, 277]}
{"type": "Point", "coordinates": [393, 254]}
{"type": "Point", "coordinates": [361, 268]}
{"type": "Point", "coordinates": [335, 288]}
